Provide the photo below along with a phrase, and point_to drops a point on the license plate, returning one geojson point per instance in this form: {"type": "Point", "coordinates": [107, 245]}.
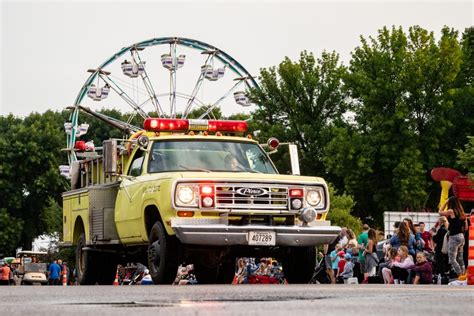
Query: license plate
{"type": "Point", "coordinates": [262, 238]}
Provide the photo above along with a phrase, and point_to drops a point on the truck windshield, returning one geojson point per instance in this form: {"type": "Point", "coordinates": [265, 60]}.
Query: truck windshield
{"type": "Point", "coordinates": [210, 156]}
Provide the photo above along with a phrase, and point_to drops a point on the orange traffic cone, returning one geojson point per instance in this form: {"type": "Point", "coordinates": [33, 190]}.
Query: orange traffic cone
{"type": "Point", "coordinates": [470, 259]}
{"type": "Point", "coordinates": [64, 275]}
{"type": "Point", "coordinates": [116, 278]}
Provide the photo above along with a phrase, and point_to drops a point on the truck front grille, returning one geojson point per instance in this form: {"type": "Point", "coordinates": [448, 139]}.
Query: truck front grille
{"type": "Point", "coordinates": [251, 196]}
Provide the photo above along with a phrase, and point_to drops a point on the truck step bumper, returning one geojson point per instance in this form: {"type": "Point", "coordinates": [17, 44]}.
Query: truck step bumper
{"type": "Point", "coordinates": [224, 235]}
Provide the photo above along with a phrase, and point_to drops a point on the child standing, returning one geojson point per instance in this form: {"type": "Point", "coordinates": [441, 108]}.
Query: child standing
{"type": "Point", "coordinates": [335, 258]}
{"type": "Point", "coordinates": [348, 271]}
{"type": "Point", "coordinates": [340, 266]}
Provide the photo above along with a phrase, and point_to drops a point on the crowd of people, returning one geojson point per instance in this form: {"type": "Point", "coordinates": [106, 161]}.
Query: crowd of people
{"type": "Point", "coordinates": [10, 274]}
{"type": "Point", "coordinates": [265, 271]}
{"type": "Point", "coordinates": [412, 255]}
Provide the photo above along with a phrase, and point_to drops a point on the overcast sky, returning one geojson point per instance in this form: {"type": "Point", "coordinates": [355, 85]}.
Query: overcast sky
{"type": "Point", "coordinates": [46, 47]}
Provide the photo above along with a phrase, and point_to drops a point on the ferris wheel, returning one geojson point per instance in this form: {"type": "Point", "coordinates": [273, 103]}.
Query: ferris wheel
{"type": "Point", "coordinates": [142, 79]}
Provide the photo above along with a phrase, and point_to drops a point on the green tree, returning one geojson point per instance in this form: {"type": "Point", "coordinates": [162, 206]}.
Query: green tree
{"type": "Point", "coordinates": [30, 184]}
{"type": "Point", "coordinates": [466, 157]}
{"type": "Point", "coordinates": [215, 113]}
{"type": "Point", "coordinates": [301, 102]}
{"type": "Point", "coordinates": [398, 83]}
{"type": "Point", "coordinates": [340, 212]}
{"type": "Point", "coordinates": [461, 95]}
{"type": "Point", "coordinates": [10, 233]}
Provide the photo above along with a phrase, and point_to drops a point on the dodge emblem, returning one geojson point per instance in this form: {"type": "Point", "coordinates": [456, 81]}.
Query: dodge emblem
{"type": "Point", "coordinates": [252, 191]}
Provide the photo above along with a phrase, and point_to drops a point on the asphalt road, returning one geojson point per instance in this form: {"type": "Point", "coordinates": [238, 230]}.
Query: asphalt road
{"type": "Point", "coordinates": [266, 300]}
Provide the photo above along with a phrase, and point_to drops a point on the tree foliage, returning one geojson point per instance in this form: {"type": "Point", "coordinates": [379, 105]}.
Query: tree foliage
{"type": "Point", "coordinates": [461, 95]}
{"type": "Point", "coordinates": [466, 157]}
{"type": "Point", "coordinates": [10, 233]}
{"type": "Point", "coordinates": [301, 102]}
{"type": "Point", "coordinates": [341, 208]}
{"type": "Point", "coordinates": [30, 153]}
{"type": "Point", "coordinates": [399, 84]}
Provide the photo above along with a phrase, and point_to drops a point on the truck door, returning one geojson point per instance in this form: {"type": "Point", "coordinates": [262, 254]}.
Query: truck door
{"type": "Point", "coordinates": [128, 212]}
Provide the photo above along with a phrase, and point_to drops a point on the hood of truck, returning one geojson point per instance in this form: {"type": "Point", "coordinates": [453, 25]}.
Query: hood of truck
{"type": "Point", "coordinates": [247, 176]}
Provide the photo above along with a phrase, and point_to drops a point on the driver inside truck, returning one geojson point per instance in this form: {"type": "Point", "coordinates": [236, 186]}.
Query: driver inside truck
{"type": "Point", "coordinates": [231, 163]}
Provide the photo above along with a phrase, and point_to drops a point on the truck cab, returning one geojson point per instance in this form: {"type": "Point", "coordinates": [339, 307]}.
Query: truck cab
{"type": "Point", "coordinates": [192, 190]}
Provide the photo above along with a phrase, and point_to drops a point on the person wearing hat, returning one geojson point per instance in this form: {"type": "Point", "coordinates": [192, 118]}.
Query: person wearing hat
{"type": "Point", "coordinates": [4, 274]}
{"type": "Point", "coordinates": [348, 271]}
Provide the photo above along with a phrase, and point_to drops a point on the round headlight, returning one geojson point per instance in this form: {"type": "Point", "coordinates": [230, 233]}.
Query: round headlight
{"type": "Point", "coordinates": [308, 214]}
{"type": "Point", "coordinates": [186, 195]}
{"type": "Point", "coordinates": [313, 197]}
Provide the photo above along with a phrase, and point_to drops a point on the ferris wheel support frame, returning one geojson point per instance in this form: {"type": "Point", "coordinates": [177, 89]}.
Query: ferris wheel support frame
{"type": "Point", "coordinates": [220, 55]}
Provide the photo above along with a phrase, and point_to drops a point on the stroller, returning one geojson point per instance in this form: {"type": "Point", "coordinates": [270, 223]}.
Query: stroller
{"type": "Point", "coordinates": [320, 275]}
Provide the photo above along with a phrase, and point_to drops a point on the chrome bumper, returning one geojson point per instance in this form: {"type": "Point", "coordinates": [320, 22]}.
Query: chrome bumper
{"type": "Point", "coordinates": [225, 235]}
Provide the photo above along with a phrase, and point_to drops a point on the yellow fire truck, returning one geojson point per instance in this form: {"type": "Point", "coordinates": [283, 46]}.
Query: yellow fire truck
{"type": "Point", "coordinates": [197, 191]}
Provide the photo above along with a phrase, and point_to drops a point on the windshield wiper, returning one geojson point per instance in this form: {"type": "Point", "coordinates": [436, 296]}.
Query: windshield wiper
{"type": "Point", "coordinates": [195, 169]}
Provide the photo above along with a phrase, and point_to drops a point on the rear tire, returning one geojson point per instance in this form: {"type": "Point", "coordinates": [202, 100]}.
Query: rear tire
{"type": "Point", "coordinates": [298, 266]}
{"type": "Point", "coordinates": [86, 263]}
{"type": "Point", "coordinates": [162, 255]}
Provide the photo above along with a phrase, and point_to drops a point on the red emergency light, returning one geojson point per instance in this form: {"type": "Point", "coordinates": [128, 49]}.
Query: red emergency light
{"type": "Point", "coordinates": [183, 125]}
{"type": "Point", "coordinates": [296, 193]}
{"type": "Point", "coordinates": [171, 125]}
{"type": "Point", "coordinates": [207, 195]}
{"type": "Point", "coordinates": [227, 126]}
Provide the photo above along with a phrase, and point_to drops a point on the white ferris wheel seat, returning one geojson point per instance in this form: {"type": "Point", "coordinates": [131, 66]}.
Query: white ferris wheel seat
{"type": "Point", "coordinates": [170, 64]}
{"type": "Point", "coordinates": [98, 93]}
{"type": "Point", "coordinates": [132, 69]}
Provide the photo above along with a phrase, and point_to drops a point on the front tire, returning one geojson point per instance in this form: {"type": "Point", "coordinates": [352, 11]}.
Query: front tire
{"type": "Point", "coordinates": [162, 255]}
{"type": "Point", "coordinates": [298, 266]}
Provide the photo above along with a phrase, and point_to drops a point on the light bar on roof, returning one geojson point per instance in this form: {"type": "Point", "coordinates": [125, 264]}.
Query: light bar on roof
{"type": "Point", "coordinates": [184, 125]}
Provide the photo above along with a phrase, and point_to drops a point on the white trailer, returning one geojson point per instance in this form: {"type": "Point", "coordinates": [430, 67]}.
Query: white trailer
{"type": "Point", "coordinates": [390, 218]}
